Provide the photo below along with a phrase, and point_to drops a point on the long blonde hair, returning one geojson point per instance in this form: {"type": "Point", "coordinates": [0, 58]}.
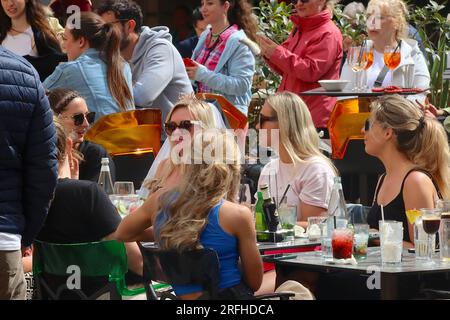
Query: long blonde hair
{"type": "Point", "coordinates": [205, 183]}
{"type": "Point", "coordinates": [423, 140]}
{"type": "Point", "coordinates": [297, 132]}
{"type": "Point", "coordinates": [201, 111]}
{"type": "Point", "coordinates": [397, 9]}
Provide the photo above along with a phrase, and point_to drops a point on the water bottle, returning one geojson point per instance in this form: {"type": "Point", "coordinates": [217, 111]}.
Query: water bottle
{"type": "Point", "coordinates": [104, 180]}
{"type": "Point", "coordinates": [337, 209]}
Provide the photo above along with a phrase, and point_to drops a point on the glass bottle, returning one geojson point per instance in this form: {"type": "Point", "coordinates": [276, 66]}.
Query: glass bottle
{"type": "Point", "coordinates": [270, 209]}
{"type": "Point", "coordinates": [260, 220]}
{"type": "Point", "coordinates": [104, 179]}
{"type": "Point", "coordinates": [337, 209]}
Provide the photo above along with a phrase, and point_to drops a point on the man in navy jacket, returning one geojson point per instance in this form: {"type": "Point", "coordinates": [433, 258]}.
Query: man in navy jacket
{"type": "Point", "coordinates": [28, 166]}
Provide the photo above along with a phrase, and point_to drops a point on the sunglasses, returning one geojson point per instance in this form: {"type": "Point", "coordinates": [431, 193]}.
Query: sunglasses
{"type": "Point", "coordinates": [302, 1]}
{"type": "Point", "coordinates": [262, 119]}
{"type": "Point", "coordinates": [170, 127]}
{"type": "Point", "coordinates": [367, 125]}
{"type": "Point", "coordinates": [78, 118]}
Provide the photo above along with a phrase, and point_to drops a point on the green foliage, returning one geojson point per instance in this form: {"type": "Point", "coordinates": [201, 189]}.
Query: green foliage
{"type": "Point", "coordinates": [353, 28]}
{"type": "Point", "coordinates": [434, 29]}
{"type": "Point", "coordinates": [274, 22]}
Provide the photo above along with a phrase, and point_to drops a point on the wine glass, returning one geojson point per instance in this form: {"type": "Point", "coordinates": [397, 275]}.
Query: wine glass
{"type": "Point", "coordinates": [392, 58]}
{"type": "Point", "coordinates": [357, 61]}
{"type": "Point", "coordinates": [123, 187]}
{"type": "Point", "coordinates": [431, 220]}
{"type": "Point", "coordinates": [368, 52]}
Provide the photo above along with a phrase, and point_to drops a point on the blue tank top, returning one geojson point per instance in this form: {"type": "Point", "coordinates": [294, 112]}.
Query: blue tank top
{"type": "Point", "coordinates": [213, 237]}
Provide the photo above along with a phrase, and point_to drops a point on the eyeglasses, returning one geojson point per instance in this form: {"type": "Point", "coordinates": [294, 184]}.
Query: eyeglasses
{"type": "Point", "coordinates": [170, 127]}
{"type": "Point", "coordinates": [78, 118]}
{"type": "Point", "coordinates": [262, 119]}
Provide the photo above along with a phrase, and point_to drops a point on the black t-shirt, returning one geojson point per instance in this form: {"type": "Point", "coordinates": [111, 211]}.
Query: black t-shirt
{"type": "Point", "coordinates": [92, 163]}
{"type": "Point", "coordinates": [80, 212]}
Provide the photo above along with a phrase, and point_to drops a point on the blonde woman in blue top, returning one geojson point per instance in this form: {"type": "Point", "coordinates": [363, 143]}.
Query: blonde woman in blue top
{"type": "Point", "coordinates": [95, 68]}
{"type": "Point", "coordinates": [200, 212]}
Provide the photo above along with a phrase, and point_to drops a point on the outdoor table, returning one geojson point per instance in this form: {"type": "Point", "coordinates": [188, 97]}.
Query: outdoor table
{"type": "Point", "coordinates": [366, 94]}
{"type": "Point", "coordinates": [297, 243]}
{"type": "Point", "coordinates": [390, 275]}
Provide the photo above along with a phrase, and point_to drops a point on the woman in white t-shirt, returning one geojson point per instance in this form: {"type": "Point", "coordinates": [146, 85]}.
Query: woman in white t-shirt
{"type": "Point", "coordinates": [287, 123]}
{"type": "Point", "coordinates": [301, 164]}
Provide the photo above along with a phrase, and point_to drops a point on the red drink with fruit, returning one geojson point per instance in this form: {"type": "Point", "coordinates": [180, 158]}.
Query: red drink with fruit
{"type": "Point", "coordinates": [342, 243]}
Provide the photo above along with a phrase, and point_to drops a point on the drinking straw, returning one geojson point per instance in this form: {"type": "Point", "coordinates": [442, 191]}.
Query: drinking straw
{"type": "Point", "coordinates": [276, 191]}
{"type": "Point", "coordinates": [284, 194]}
{"type": "Point", "coordinates": [382, 213]}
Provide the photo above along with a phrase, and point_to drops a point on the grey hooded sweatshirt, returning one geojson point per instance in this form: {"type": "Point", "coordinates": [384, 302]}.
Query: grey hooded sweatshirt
{"type": "Point", "coordinates": [159, 75]}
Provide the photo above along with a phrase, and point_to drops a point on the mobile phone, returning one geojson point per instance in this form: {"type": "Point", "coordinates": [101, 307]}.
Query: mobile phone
{"type": "Point", "coordinates": [188, 62]}
{"type": "Point", "coordinates": [412, 250]}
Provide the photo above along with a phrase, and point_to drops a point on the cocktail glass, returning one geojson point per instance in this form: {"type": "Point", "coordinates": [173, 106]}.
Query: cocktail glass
{"type": "Point", "coordinates": [342, 243]}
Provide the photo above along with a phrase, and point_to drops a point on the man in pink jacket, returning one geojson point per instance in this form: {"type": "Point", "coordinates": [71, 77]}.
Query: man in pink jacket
{"type": "Point", "coordinates": [312, 52]}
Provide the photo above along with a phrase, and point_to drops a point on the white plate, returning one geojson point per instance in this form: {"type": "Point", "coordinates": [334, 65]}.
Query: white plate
{"type": "Point", "coordinates": [333, 85]}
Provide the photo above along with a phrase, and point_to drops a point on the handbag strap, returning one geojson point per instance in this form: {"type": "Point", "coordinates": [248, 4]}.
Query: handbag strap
{"type": "Point", "coordinates": [381, 77]}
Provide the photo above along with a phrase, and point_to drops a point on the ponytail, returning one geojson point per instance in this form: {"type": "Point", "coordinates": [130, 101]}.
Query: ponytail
{"type": "Point", "coordinates": [114, 64]}
{"type": "Point", "coordinates": [240, 13]}
{"type": "Point", "coordinates": [105, 37]}
{"type": "Point", "coordinates": [421, 139]}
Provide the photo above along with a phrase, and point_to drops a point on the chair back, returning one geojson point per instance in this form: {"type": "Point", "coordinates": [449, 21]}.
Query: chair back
{"type": "Point", "coordinates": [231, 115]}
{"type": "Point", "coordinates": [66, 270]}
{"type": "Point", "coordinates": [129, 132]}
{"type": "Point", "coordinates": [192, 267]}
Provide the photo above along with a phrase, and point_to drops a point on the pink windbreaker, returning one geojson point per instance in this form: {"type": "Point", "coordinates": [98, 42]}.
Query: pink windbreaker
{"type": "Point", "coordinates": [312, 52]}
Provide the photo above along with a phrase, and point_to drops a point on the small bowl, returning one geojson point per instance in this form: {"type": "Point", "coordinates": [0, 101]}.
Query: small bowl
{"type": "Point", "coordinates": [333, 85]}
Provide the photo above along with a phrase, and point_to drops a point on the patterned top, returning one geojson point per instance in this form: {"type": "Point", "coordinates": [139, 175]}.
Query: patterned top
{"type": "Point", "coordinates": [210, 54]}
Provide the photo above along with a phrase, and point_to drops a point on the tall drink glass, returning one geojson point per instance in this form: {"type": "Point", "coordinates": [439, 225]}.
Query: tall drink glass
{"type": "Point", "coordinates": [444, 230]}
{"type": "Point", "coordinates": [391, 238]}
{"type": "Point", "coordinates": [342, 243]}
{"type": "Point", "coordinates": [431, 220]}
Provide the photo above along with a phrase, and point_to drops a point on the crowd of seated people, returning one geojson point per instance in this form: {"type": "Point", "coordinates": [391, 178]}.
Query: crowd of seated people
{"type": "Point", "coordinates": [116, 64]}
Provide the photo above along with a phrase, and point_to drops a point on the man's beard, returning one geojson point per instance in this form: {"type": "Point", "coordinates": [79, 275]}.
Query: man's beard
{"type": "Point", "coordinates": [124, 42]}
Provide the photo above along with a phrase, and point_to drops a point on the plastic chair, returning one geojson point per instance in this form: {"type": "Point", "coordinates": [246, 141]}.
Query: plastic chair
{"type": "Point", "coordinates": [130, 132]}
{"type": "Point", "coordinates": [132, 138]}
{"type": "Point", "coordinates": [101, 267]}
{"type": "Point", "coordinates": [232, 117]}
{"type": "Point", "coordinates": [193, 267]}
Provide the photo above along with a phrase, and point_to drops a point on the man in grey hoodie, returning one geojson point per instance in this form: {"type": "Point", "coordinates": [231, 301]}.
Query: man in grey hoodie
{"type": "Point", "coordinates": [159, 75]}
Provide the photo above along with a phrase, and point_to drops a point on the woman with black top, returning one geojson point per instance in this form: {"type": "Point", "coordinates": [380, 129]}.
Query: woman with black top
{"type": "Point", "coordinates": [72, 111]}
{"type": "Point", "coordinates": [25, 30]}
{"type": "Point", "coordinates": [415, 153]}
{"type": "Point", "coordinates": [81, 210]}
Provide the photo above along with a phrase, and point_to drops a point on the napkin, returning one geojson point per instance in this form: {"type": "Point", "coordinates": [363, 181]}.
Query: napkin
{"type": "Point", "coordinates": [299, 232]}
{"type": "Point", "coordinates": [351, 261]}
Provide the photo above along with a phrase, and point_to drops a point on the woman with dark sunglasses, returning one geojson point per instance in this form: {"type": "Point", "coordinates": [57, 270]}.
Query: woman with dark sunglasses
{"type": "Point", "coordinates": [71, 109]}
{"type": "Point", "coordinates": [187, 115]}
{"type": "Point", "coordinates": [312, 52]}
{"type": "Point", "coordinates": [301, 164]}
